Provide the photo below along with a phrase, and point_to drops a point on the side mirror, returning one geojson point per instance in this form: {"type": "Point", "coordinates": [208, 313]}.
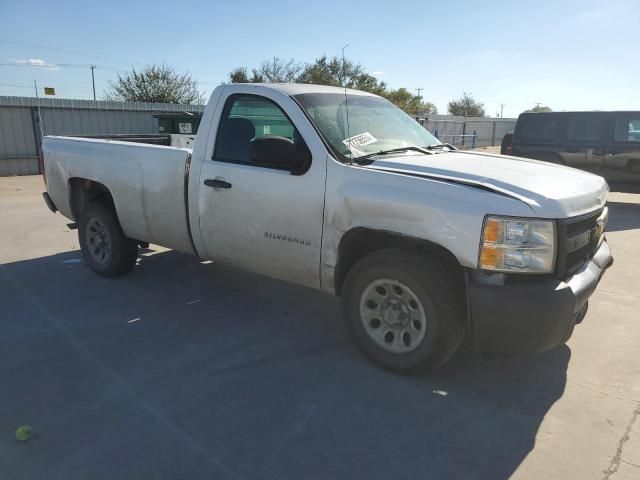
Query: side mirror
{"type": "Point", "coordinates": [280, 153]}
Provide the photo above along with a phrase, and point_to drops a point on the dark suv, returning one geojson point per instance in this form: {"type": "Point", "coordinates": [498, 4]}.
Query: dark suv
{"type": "Point", "coordinates": [606, 143]}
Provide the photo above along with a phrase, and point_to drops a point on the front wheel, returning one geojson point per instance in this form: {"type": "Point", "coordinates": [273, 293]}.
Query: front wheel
{"type": "Point", "coordinates": [104, 246]}
{"type": "Point", "coordinates": [404, 310]}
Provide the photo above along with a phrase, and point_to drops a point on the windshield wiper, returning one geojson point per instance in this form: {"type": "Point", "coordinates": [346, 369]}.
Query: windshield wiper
{"type": "Point", "coordinates": [395, 150]}
{"type": "Point", "coordinates": [440, 146]}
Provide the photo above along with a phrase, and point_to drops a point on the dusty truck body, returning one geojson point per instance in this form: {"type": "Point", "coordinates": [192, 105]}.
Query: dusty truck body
{"type": "Point", "coordinates": [341, 191]}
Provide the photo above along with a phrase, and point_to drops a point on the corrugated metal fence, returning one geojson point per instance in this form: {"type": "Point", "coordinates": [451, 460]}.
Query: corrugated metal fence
{"type": "Point", "coordinates": [459, 130]}
{"type": "Point", "coordinates": [23, 120]}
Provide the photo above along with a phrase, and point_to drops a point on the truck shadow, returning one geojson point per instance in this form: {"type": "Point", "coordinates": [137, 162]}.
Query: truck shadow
{"type": "Point", "coordinates": [623, 216]}
{"type": "Point", "coordinates": [208, 372]}
{"type": "Point", "coordinates": [624, 187]}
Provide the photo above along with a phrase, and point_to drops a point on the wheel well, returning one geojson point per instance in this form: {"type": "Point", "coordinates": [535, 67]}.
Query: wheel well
{"type": "Point", "coordinates": [359, 242]}
{"type": "Point", "coordinates": [83, 191]}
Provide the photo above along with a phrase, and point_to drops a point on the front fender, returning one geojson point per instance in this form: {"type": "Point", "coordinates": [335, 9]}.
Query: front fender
{"type": "Point", "coordinates": [444, 214]}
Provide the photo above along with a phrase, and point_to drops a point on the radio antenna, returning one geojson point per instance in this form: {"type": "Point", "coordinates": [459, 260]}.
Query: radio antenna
{"type": "Point", "coordinates": [346, 101]}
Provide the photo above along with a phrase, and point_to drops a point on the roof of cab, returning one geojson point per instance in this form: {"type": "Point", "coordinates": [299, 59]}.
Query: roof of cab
{"type": "Point", "coordinates": [300, 88]}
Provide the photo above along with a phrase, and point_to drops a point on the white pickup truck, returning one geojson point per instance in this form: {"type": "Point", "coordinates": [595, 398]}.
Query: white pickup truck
{"type": "Point", "coordinates": [342, 191]}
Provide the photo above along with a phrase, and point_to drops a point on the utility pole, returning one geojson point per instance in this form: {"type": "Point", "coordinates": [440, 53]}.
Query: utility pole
{"type": "Point", "coordinates": [93, 81]}
{"type": "Point", "coordinates": [538, 104]}
{"type": "Point", "coordinates": [501, 109]}
{"type": "Point", "coordinates": [419, 98]}
{"type": "Point", "coordinates": [35, 85]}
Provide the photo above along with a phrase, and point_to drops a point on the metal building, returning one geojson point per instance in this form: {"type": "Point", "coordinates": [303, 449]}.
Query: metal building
{"type": "Point", "coordinates": [24, 120]}
{"type": "Point", "coordinates": [458, 130]}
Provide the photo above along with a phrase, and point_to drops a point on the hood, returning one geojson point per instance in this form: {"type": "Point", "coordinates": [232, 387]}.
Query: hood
{"type": "Point", "coordinates": [551, 190]}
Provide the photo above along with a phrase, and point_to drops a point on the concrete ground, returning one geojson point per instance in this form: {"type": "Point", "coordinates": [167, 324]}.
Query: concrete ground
{"type": "Point", "coordinates": [490, 149]}
{"type": "Point", "coordinates": [186, 369]}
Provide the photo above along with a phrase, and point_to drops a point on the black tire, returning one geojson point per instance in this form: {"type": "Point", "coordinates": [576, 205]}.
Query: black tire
{"type": "Point", "coordinates": [427, 278]}
{"type": "Point", "coordinates": [120, 252]}
{"type": "Point", "coordinates": [507, 142]}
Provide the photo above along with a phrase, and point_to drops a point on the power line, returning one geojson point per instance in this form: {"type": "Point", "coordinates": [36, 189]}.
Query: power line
{"type": "Point", "coordinates": [53, 66]}
{"type": "Point", "coordinates": [45, 65]}
{"type": "Point", "coordinates": [12, 85]}
{"type": "Point", "coordinates": [55, 49]}
{"type": "Point", "coordinates": [58, 86]}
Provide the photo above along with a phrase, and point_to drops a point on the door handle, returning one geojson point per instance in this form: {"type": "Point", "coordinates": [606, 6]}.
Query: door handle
{"type": "Point", "coordinates": [217, 183]}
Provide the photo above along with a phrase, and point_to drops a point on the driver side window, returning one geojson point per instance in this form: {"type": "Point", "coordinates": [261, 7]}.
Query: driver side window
{"type": "Point", "coordinates": [244, 119]}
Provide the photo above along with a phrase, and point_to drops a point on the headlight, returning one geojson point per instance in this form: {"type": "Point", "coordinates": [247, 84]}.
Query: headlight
{"type": "Point", "coordinates": [511, 244]}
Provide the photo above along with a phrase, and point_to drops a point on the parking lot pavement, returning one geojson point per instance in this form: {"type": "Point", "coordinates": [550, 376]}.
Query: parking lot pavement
{"type": "Point", "coordinates": [186, 369]}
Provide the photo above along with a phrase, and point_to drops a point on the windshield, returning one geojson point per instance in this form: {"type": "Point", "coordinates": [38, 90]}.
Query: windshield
{"type": "Point", "coordinates": [375, 124]}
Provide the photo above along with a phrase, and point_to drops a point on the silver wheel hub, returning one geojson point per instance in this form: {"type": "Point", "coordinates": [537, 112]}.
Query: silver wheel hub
{"type": "Point", "coordinates": [395, 313]}
{"type": "Point", "coordinates": [98, 241]}
{"type": "Point", "coordinates": [392, 315]}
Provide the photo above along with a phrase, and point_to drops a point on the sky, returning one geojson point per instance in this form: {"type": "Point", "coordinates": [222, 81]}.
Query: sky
{"type": "Point", "coordinates": [569, 55]}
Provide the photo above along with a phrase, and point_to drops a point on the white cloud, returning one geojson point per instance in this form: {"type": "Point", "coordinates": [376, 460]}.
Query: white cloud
{"type": "Point", "coordinates": [32, 61]}
{"type": "Point", "coordinates": [36, 62]}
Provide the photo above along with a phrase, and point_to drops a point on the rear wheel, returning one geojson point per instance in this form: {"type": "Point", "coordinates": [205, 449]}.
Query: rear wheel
{"type": "Point", "coordinates": [403, 309]}
{"type": "Point", "coordinates": [104, 246]}
{"type": "Point", "coordinates": [506, 147]}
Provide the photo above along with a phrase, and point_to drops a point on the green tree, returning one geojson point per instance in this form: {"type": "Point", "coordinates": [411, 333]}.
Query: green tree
{"type": "Point", "coordinates": [466, 106]}
{"type": "Point", "coordinates": [426, 108]}
{"type": "Point", "coordinates": [412, 104]}
{"type": "Point", "coordinates": [332, 71]}
{"type": "Point", "coordinates": [155, 84]}
{"type": "Point", "coordinates": [323, 72]}
{"type": "Point", "coordinates": [277, 70]}
{"type": "Point", "coordinates": [274, 70]}
{"type": "Point", "coordinates": [239, 75]}
{"type": "Point", "coordinates": [338, 72]}
{"type": "Point", "coordinates": [539, 108]}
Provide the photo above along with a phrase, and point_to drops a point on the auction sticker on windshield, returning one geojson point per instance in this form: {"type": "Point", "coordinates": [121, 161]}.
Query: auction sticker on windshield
{"type": "Point", "coordinates": [359, 140]}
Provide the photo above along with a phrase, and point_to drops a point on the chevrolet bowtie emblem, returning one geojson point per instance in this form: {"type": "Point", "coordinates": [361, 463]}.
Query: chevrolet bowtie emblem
{"type": "Point", "coordinates": [598, 229]}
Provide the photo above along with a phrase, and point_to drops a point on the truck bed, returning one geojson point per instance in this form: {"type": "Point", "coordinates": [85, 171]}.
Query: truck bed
{"type": "Point", "coordinates": [147, 183]}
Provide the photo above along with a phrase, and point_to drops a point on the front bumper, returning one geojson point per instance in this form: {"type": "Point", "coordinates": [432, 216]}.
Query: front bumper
{"type": "Point", "coordinates": [532, 316]}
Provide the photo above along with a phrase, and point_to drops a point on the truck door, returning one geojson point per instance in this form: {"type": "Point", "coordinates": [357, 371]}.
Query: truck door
{"type": "Point", "coordinates": [252, 215]}
{"type": "Point", "coordinates": [622, 150]}
{"type": "Point", "coordinates": [583, 146]}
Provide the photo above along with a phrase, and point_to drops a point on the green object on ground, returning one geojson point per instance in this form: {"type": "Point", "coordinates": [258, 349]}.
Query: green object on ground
{"type": "Point", "coordinates": [24, 433]}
